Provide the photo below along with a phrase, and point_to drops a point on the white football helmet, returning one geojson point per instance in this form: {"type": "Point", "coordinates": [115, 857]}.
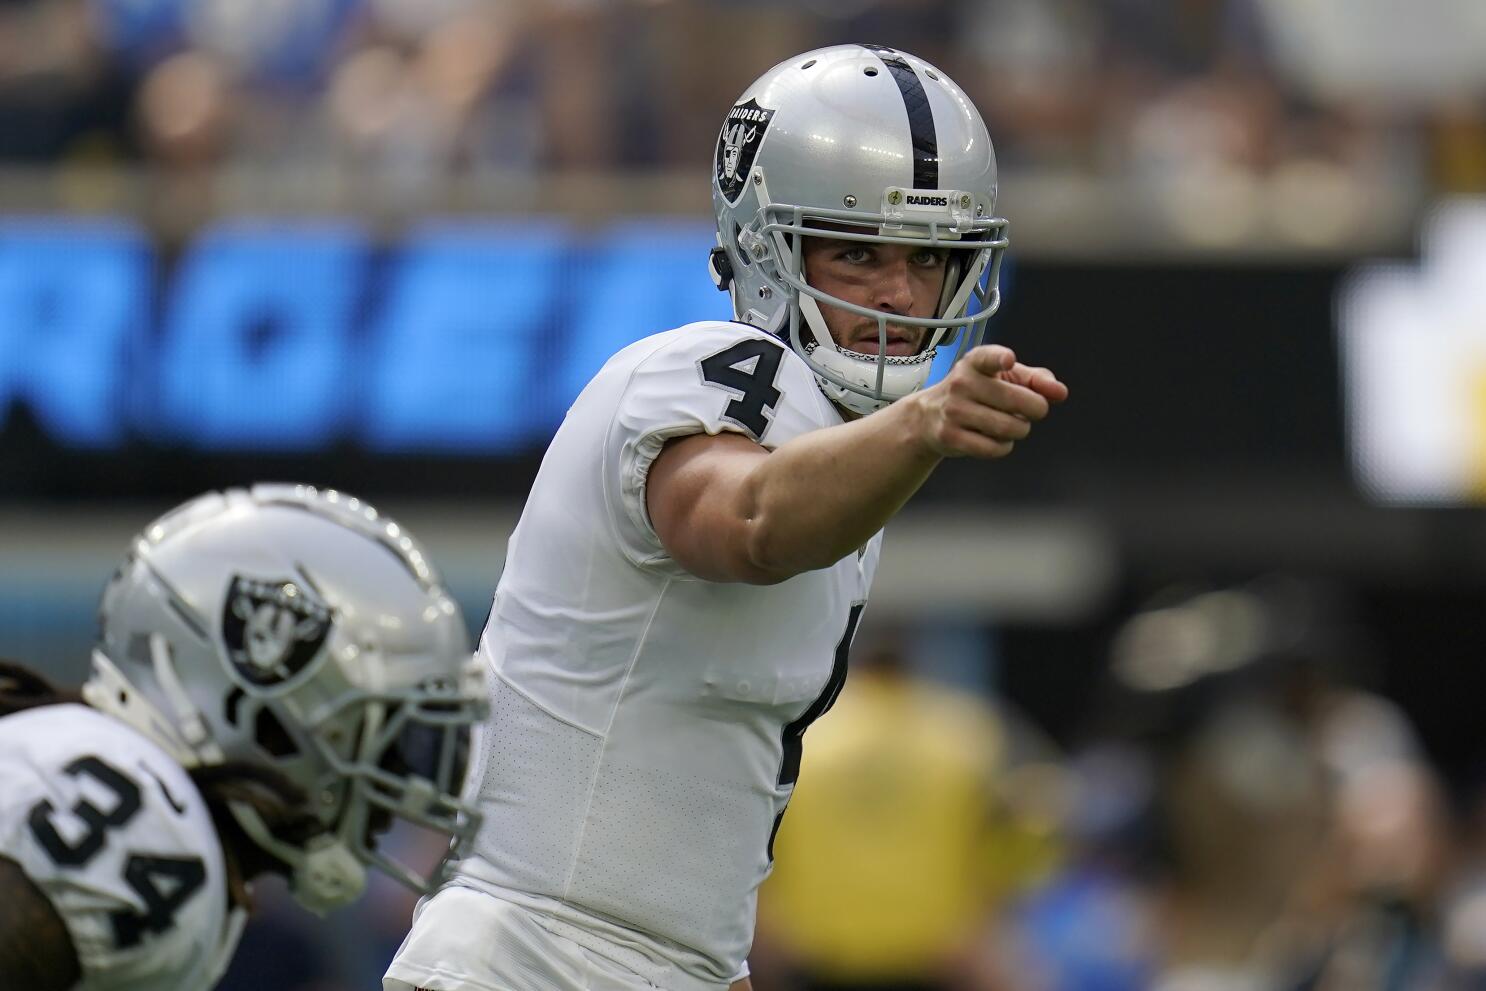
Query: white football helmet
{"type": "Point", "coordinates": [877, 145]}
{"type": "Point", "coordinates": [299, 630]}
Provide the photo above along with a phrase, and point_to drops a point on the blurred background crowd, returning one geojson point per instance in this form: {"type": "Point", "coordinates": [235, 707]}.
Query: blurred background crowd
{"type": "Point", "coordinates": [1183, 698]}
{"type": "Point", "coordinates": [1239, 810]}
{"type": "Point", "coordinates": [1328, 98]}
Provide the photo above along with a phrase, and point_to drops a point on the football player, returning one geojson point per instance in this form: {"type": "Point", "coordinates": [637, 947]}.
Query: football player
{"type": "Point", "coordinates": [279, 675]}
{"type": "Point", "coordinates": [681, 591]}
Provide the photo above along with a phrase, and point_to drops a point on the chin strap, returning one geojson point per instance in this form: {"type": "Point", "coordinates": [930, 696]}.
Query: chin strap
{"type": "Point", "coordinates": [899, 377]}
{"type": "Point", "coordinates": [325, 874]}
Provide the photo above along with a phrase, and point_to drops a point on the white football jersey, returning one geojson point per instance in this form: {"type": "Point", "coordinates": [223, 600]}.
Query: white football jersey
{"type": "Point", "coordinates": [116, 835]}
{"type": "Point", "coordinates": [646, 725]}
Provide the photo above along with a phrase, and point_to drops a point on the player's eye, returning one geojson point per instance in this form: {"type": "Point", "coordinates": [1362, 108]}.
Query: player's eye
{"type": "Point", "coordinates": [856, 254]}
{"type": "Point", "coordinates": [928, 258]}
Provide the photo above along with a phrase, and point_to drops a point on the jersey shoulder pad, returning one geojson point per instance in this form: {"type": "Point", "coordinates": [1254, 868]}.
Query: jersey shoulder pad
{"type": "Point", "coordinates": [714, 376]}
{"type": "Point", "coordinates": [703, 378]}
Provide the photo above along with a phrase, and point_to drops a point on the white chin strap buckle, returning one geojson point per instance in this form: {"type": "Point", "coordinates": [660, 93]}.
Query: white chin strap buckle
{"type": "Point", "coordinates": [325, 873]}
{"type": "Point", "coordinates": [328, 877]}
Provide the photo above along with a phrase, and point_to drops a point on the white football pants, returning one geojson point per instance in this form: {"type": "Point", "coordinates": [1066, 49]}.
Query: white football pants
{"type": "Point", "coordinates": [466, 940]}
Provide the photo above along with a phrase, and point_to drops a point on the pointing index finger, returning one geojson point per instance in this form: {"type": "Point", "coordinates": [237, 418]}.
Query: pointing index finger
{"type": "Point", "coordinates": [1039, 380]}
{"type": "Point", "coordinates": [991, 359]}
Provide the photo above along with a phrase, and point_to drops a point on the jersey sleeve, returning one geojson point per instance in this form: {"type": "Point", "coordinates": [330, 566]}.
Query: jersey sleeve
{"type": "Point", "coordinates": [704, 378]}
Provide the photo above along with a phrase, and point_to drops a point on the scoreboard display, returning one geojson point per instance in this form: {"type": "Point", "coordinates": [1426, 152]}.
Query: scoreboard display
{"type": "Point", "coordinates": [463, 337]}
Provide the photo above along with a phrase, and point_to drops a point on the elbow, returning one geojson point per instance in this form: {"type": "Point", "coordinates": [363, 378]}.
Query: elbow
{"type": "Point", "coordinates": [740, 552]}
{"type": "Point", "coordinates": [760, 563]}
{"type": "Point", "coordinates": [771, 558]}
{"type": "Point", "coordinates": [764, 573]}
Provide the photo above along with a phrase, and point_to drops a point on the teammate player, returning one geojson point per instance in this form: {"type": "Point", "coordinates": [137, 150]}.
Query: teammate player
{"type": "Point", "coordinates": [279, 674]}
{"type": "Point", "coordinates": [681, 591]}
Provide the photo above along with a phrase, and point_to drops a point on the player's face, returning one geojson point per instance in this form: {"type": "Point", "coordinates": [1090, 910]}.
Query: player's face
{"type": "Point", "coordinates": [894, 278]}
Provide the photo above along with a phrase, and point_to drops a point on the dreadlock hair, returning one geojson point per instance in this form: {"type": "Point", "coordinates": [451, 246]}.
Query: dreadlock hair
{"type": "Point", "coordinates": [22, 689]}
{"type": "Point", "coordinates": [282, 805]}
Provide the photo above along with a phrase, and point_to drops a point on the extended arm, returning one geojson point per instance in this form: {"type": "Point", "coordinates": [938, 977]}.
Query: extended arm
{"type": "Point", "coordinates": [727, 509]}
{"type": "Point", "coordinates": [36, 950]}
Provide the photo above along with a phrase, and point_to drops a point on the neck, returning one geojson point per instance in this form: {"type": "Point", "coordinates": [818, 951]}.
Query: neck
{"type": "Point", "coordinates": [847, 414]}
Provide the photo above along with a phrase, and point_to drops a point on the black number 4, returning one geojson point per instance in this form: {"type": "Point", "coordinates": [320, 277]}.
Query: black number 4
{"type": "Point", "coordinates": [794, 733]}
{"type": "Point", "coordinates": [164, 884]}
{"type": "Point", "coordinates": [756, 394]}
{"type": "Point", "coordinates": [181, 876]}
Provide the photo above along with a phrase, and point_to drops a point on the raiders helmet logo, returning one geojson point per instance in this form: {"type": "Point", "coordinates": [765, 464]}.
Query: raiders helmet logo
{"type": "Point", "coordinates": [737, 145]}
{"type": "Point", "coordinates": [272, 629]}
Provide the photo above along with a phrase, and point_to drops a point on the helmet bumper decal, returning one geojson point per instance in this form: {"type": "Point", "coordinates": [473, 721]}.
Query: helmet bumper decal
{"type": "Point", "coordinates": [272, 630]}
{"type": "Point", "coordinates": [738, 144]}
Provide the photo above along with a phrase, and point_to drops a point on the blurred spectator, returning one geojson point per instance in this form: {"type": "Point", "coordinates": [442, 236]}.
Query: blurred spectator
{"type": "Point", "coordinates": [59, 96]}
{"type": "Point", "coordinates": [1459, 148]}
{"type": "Point", "coordinates": [1213, 106]}
{"type": "Point", "coordinates": [1294, 836]}
{"type": "Point", "coordinates": [919, 811]}
{"type": "Point", "coordinates": [1093, 925]}
{"type": "Point", "coordinates": [183, 111]}
{"type": "Point", "coordinates": [1038, 66]}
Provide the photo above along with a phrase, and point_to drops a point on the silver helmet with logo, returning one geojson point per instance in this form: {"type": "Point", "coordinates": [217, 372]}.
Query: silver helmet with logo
{"type": "Point", "coordinates": [864, 143]}
{"type": "Point", "coordinates": [298, 630]}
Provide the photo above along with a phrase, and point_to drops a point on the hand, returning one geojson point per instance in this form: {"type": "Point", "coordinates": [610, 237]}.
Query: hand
{"type": "Point", "coordinates": [985, 405]}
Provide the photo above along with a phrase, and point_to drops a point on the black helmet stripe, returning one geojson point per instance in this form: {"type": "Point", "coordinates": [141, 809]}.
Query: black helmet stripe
{"type": "Point", "coordinates": [920, 117]}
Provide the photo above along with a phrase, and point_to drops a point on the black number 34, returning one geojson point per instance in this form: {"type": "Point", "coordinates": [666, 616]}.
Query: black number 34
{"type": "Point", "coordinates": [756, 395]}
{"type": "Point", "coordinates": [182, 876]}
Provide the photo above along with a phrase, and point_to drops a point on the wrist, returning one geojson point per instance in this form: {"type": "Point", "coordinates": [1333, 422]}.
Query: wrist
{"type": "Point", "coordinates": [916, 431]}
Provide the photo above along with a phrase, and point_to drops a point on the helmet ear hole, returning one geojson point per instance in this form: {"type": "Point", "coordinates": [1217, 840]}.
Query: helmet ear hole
{"type": "Point", "coordinates": [721, 269]}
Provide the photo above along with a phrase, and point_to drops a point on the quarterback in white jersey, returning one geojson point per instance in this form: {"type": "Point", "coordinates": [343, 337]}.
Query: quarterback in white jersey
{"type": "Point", "coordinates": [279, 675]}
{"type": "Point", "coordinates": [681, 591]}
